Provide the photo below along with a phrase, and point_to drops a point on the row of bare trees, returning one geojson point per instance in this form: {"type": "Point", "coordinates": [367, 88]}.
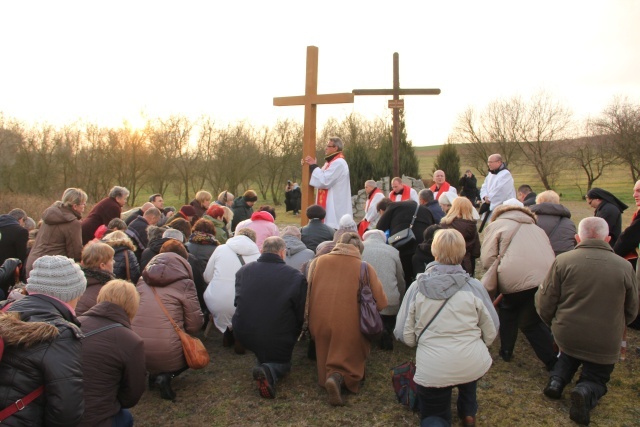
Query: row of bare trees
{"type": "Point", "coordinates": [541, 133]}
{"type": "Point", "coordinates": [173, 154]}
{"type": "Point", "coordinates": [182, 156]}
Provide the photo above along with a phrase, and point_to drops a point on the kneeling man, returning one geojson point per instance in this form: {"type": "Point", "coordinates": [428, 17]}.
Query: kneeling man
{"type": "Point", "coordinates": [270, 299]}
{"type": "Point", "coordinates": [587, 298]}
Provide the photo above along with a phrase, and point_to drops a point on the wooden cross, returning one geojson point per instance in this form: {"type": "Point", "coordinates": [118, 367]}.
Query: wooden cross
{"type": "Point", "coordinates": [396, 104]}
{"type": "Point", "coordinates": [310, 100]}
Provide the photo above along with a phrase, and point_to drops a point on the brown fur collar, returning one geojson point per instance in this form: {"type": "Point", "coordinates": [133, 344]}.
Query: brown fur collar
{"type": "Point", "coordinates": [127, 243]}
{"type": "Point", "coordinates": [502, 209]}
{"type": "Point", "coordinates": [16, 332]}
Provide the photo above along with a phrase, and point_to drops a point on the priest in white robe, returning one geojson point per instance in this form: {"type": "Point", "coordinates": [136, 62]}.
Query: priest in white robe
{"type": "Point", "coordinates": [371, 213]}
{"type": "Point", "coordinates": [332, 183]}
{"type": "Point", "coordinates": [498, 185]}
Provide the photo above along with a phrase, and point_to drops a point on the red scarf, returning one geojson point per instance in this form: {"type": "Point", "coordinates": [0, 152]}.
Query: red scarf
{"type": "Point", "coordinates": [324, 192]}
{"type": "Point", "coordinates": [364, 224]}
{"type": "Point", "coordinates": [443, 189]}
{"type": "Point", "coordinates": [406, 193]}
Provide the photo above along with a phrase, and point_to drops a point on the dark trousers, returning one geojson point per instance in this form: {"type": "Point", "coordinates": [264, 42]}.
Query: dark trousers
{"type": "Point", "coordinates": [277, 370]}
{"type": "Point", "coordinates": [594, 376]}
{"type": "Point", "coordinates": [436, 402]}
{"type": "Point", "coordinates": [406, 259]}
{"type": "Point", "coordinates": [388, 325]}
{"type": "Point", "coordinates": [122, 419]}
{"type": "Point", "coordinates": [518, 311]}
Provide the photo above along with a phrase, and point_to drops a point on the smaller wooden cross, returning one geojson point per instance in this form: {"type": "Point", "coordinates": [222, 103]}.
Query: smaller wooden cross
{"type": "Point", "coordinates": [310, 100]}
{"type": "Point", "coordinates": [396, 104]}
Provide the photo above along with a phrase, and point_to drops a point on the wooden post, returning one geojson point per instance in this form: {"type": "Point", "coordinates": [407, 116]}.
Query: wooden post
{"type": "Point", "coordinates": [310, 100]}
{"type": "Point", "coordinates": [396, 104]}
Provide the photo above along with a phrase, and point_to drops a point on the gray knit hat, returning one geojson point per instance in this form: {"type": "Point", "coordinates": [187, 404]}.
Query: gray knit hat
{"type": "Point", "coordinates": [57, 276]}
{"type": "Point", "coordinates": [172, 233]}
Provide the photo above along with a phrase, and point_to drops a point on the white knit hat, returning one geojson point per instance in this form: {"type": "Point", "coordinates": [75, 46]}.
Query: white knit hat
{"type": "Point", "coordinates": [513, 202]}
{"type": "Point", "coordinates": [57, 276]}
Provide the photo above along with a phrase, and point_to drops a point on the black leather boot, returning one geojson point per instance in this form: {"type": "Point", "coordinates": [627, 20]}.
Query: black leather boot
{"type": "Point", "coordinates": [163, 381]}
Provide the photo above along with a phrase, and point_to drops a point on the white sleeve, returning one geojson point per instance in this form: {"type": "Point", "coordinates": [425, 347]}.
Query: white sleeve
{"type": "Point", "coordinates": [325, 179]}
{"type": "Point", "coordinates": [413, 195]}
{"type": "Point", "coordinates": [502, 189]}
{"type": "Point", "coordinates": [372, 211]}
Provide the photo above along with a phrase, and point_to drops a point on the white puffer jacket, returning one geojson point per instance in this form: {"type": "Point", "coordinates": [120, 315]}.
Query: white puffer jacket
{"type": "Point", "coordinates": [221, 276]}
{"type": "Point", "coordinates": [529, 254]}
{"type": "Point", "coordinates": [453, 350]}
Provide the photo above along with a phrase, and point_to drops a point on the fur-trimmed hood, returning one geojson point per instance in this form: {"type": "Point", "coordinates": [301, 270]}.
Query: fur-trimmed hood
{"type": "Point", "coordinates": [17, 332]}
{"type": "Point", "coordinates": [515, 213]}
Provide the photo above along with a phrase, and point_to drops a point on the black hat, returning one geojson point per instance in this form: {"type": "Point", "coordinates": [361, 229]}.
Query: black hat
{"type": "Point", "coordinates": [316, 212]}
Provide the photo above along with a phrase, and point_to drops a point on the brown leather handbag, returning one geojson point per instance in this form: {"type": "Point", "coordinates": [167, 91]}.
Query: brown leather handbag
{"type": "Point", "coordinates": [195, 353]}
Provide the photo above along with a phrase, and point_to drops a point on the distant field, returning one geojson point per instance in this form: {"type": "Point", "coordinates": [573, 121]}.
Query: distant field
{"type": "Point", "coordinates": [615, 179]}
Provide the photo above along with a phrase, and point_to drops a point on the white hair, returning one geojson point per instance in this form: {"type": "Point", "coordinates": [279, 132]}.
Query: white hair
{"type": "Point", "coordinates": [593, 228]}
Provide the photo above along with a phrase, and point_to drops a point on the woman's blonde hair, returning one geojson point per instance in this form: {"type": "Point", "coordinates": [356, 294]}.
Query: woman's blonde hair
{"type": "Point", "coordinates": [448, 247]}
{"type": "Point", "coordinates": [121, 293]}
{"type": "Point", "coordinates": [461, 207]}
{"type": "Point", "coordinates": [548, 196]}
{"type": "Point", "coordinates": [73, 196]}
{"type": "Point", "coordinates": [202, 196]}
{"type": "Point", "coordinates": [96, 253]}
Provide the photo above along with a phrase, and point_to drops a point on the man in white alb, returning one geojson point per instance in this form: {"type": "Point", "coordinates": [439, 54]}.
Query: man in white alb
{"type": "Point", "coordinates": [371, 214]}
{"type": "Point", "coordinates": [332, 182]}
{"type": "Point", "coordinates": [401, 192]}
{"type": "Point", "coordinates": [497, 187]}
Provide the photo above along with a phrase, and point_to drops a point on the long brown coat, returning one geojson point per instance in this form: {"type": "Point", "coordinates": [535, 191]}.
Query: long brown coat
{"type": "Point", "coordinates": [171, 276]}
{"type": "Point", "coordinates": [59, 234]}
{"type": "Point", "coordinates": [334, 314]}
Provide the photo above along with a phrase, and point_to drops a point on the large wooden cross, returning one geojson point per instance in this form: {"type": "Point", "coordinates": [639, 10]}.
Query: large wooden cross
{"type": "Point", "coordinates": [396, 104]}
{"type": "Point", "coordinates": [310, 100]}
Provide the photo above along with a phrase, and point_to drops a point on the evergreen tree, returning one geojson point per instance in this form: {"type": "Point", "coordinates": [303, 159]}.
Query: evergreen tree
{"type": "Point", "coordinates": [409, 164]}
{"type": "Point", "coordinates": [360, 165]}
{"type": "Point", "coordinates": [448, 161]}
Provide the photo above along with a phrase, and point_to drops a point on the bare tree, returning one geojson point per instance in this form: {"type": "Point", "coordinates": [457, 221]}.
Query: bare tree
{"type": "Point", "coordinates": [621, 120]}
{"type": "Point", "coordinates": [592, 153]}
{"type": "Point", "coordinates": [130, 156]}
{"type": "Point", "coordinates": [542, 130]}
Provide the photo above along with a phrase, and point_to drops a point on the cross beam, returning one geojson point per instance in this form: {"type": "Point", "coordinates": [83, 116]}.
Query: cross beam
{"type": "Point", "coordinates": [310, 100]}
{"type": "Point", "coordinates": [396, 105]}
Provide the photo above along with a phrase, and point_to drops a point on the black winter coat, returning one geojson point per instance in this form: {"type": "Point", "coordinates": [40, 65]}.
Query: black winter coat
{"type": "Point", "coordinates": [398, 216]}
{"type": "Point", "coordinates": [241, 211]}
{"type": "Point", "coordinates": [120, 266]}
{"type": "Point", "coordinates": [629, 239]}
{"type": "Point", "coordinates": [315, 233]}
{"type": "Point", "coordinates": [13, 240]}
{"type": "Point", "coordinates": [270, 299]}
{"type": "Point", "coordinates": [137, 230]}
{"type": "Point", "coordinates": [53, 358]}
{"type": "Point", "coordinates": [610, 213]}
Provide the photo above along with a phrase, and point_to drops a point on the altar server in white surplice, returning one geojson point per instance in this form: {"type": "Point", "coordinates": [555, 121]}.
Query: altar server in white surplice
{"type": "Point", "coordinates": [332, 182]}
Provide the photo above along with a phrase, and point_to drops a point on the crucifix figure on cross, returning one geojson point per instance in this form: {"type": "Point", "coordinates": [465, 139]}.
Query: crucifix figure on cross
{"type": "Point", "coordinates": [396, 104]}
{"type": "Point", "coordinates": [310, 100]}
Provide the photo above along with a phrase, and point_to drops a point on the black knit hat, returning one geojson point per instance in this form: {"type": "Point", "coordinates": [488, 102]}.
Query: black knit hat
{"type": "Point", "coordinates": [316, 212]}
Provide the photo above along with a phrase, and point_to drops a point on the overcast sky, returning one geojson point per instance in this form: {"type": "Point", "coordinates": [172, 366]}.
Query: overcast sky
{"type": "Point", "coordinates": [107, 61]}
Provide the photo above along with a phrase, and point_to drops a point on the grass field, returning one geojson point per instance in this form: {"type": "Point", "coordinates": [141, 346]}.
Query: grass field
{"type": "Point", "coordinates": [223, 394]}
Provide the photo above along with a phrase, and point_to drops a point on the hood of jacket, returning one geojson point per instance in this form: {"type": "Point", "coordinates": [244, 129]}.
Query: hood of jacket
{"type": "Point", "coordinates": [514, 213]}
{"type": "Point", "coordinates": [17, 332]}
{"type": "Point", "coordinates": [6, 220]}
{"type": "Point", "coordinates": [550, 209]}
{"type": "Point", "coordinates": [294, 245]}
{"type": "Point", "coordinates": [156, 244]}
{"type": "Point", "coordinates": [165, 269]}
{"type": "Point", "coordinates": [441, 281]}
{"type": "Point", "coordinates": [242, 245]}
{"type": "Point", "coordinates": [261, 215]}
{"type": "Point", "coordinates": [239, 202]}
{"type": "Point", "coordinates": [59, 214]}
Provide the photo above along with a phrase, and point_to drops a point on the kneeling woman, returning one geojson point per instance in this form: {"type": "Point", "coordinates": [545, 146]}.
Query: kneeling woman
{"type": "Point", "coordinates": [449, 316]}
{"type": "Point", "coordinates": [167, 277]}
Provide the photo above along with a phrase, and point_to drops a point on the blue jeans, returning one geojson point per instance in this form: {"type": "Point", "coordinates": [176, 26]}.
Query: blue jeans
{"type": "Point", "coordinates": [436, 402]}
{"type": "Point", "coordinates": [122, 419]}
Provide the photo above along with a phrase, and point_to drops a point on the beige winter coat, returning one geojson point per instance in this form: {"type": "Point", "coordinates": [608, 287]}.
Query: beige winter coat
{"type": "Point", "coordinates": [529, 254]}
